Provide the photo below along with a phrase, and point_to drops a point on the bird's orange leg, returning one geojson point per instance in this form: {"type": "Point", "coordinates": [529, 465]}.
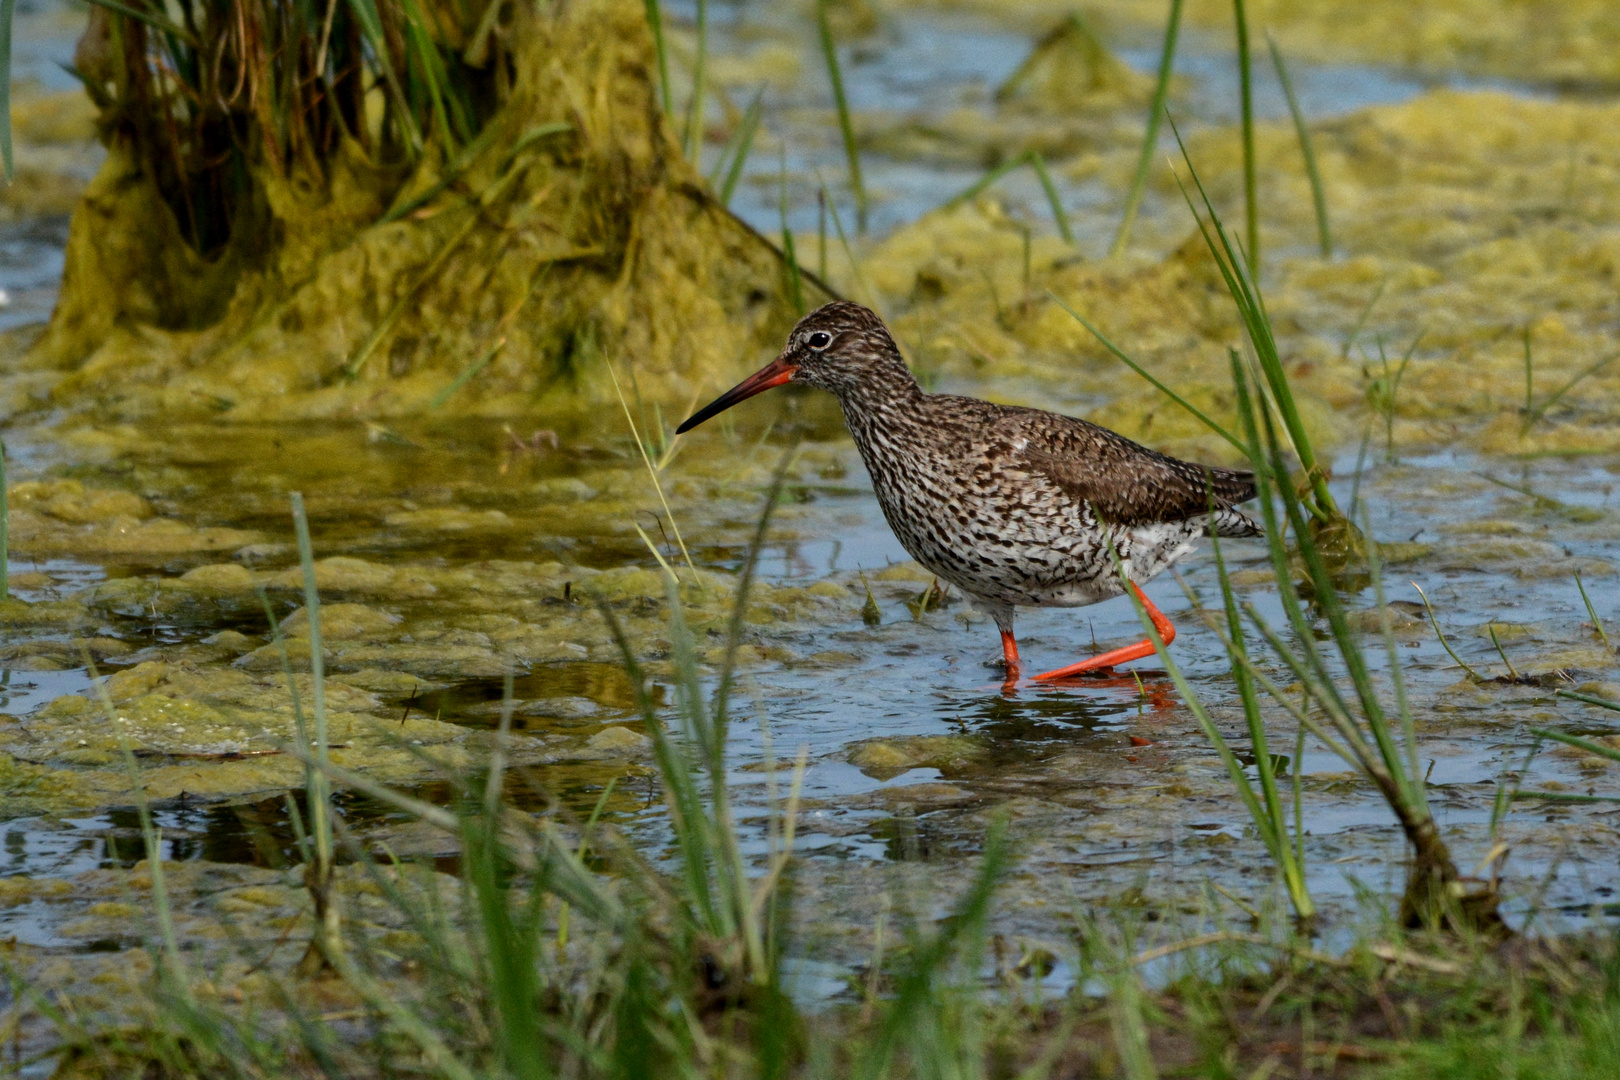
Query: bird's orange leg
{"type": "Point", "coordinates": [1167, 633]}
{"type": "Point", "coordinates": [1009, 651]}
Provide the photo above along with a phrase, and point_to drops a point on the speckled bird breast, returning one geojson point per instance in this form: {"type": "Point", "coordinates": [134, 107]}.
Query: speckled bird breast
{"type": "Point", "coordinates": [996, 531]}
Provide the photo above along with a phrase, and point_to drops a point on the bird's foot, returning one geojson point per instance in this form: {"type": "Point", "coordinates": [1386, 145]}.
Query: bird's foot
{"type": "Point", "coordinates": [1167, 634]}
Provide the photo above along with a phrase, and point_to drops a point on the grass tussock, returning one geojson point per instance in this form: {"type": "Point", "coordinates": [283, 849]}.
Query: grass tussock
{"type": "Point", "coordinates": [311, 207]}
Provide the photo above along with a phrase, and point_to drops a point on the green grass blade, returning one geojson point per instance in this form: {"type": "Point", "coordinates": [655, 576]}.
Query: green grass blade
{"type": "Point", "coordinates": [365, 13]}
{"type": "Point", "coordinates": [466, 376]}
{"type": "Point", "coordinates": [739, 157]}
{"type": "Point", "coordinates": [846, 127]}
{"type": "Point", "coordinates": [5, 528]}
{"type": "Point", "coordinates": [1441, 634]}
{"type": "Point", "coordinates": [1061, 216]}
{"type": "Point", "coordinates": [1140, 370]}
{"type": "Point", "coordinates": [320, 791]}
{"type": "Point", "coordinates": [676, 770]}
{"type": "Point", "coordinates": [1534, 415]}
{"type": "Point", "coordinates": [1273, 827]}
{"type": "Point", "coordinates": [1577, 742]}
{"type": "Point", "coordinates": [692, 139]}
{"type": "Point", "coordinates": [1562, 796]}
{"type": "Point", "coordinates": [795, 284]}
{"type": "Point", "coordinates": [153, 19]}
{"type": "Point", "coordinates": [7, 9]}
{"type": "Point", "coordinates": [1324, 234]}
{"type": "Point", "coordinates": [1150, 138]}
{"type": "Point", "coordinates": [1251, 187]}
{"type": "Point", "coordinates": [655, 20]}
{"type": "Point", "coordinates": [1245, 292]}
{"type": "Point", "coordinates": [1591, 612]}
{"type": "Point", "coordinates": [978, 186]}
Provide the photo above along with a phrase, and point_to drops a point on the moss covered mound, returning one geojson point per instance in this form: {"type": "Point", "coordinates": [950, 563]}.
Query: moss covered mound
{"type": "Point", "coordinates": [571, 229]}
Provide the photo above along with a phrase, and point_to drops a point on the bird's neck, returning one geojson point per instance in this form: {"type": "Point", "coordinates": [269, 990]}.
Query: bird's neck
{"type": "Point", "coordinates": [886, 394]}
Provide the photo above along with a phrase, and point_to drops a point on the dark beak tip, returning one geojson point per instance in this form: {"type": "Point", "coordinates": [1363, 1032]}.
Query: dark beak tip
{"type": "Point", "coordinates": [773, 374]}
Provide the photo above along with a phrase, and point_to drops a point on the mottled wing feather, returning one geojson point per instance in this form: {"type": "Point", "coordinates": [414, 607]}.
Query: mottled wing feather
{"type": "Point", "coordinates": [1125, 483]}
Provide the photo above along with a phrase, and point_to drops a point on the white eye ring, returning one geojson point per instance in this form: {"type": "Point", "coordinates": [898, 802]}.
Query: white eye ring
{"type": "Point", "coordinates": [819, 340]}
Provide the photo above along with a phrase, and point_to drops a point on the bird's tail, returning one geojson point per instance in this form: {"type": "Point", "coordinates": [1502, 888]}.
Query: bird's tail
{"type": "Point", "coordinates": [1233, 523]}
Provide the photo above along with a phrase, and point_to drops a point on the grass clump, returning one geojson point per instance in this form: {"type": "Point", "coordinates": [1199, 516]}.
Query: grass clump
{"type": "Point", "coordinates": [407, 183]}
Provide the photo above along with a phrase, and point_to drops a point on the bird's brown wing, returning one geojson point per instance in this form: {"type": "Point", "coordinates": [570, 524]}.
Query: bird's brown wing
{"type": "Point", "coordinates": [1125, 483]}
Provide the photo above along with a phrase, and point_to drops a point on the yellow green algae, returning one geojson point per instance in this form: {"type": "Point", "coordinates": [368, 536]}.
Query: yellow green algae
{"type": "Point", "coordinates": [1446, 211]}
{"type": "Point", "coordinates": [595, 240]}
{"type": "Point", "coordinates": [1572, 44]}
{"type": "Point", "coordinates": [1445, 208]}
{"type": "Point", "coordinates": [212, 714]}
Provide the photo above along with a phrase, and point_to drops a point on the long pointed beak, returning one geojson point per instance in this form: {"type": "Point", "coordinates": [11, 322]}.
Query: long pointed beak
{"type": "Point", "coordinates": [775, 373]}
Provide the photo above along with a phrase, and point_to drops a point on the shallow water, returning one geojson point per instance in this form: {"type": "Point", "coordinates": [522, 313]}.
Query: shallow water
{"type": "Point", "coordinates": [912, 748]}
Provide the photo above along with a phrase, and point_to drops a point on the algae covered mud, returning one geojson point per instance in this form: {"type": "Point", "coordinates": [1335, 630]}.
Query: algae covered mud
{"type": "Point", "coordinates": [471, 367]}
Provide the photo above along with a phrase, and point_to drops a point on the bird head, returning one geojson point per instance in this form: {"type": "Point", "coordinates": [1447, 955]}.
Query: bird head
{"type": "Point", "coordinates": [836, 347]}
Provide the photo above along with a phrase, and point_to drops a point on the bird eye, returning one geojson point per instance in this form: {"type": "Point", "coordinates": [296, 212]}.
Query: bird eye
{"type": "Point", "coordinates": [819, 340]}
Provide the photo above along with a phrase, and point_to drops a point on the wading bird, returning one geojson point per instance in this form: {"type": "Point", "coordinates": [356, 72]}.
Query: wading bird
{"type": "Point", "coordinates": [1013, 506]}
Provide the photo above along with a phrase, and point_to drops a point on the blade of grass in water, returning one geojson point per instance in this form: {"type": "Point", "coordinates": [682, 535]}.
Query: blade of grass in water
{"type": "Point", "coordinates": [1324, 235]}
{"type": "Point", "coordinates": [1534, 415]}
{"type": "Point", "coordinates": [1529, 376]}
{"type": "Point", "coordinates": [1578, 743]}
{"type": "Point", "coordinates": [7, 10]}
{"type": "Point", "coordinates": [795, 285]}
{"type": "Point", "coordinates": [5, 530]}
{"type": "Point", "coordinates": [1061, 216]}
{"type": "Point", "coordinates": [1361, 320]}
{"type": "Point", "coordinates": [1251, 193]}
{"type": "Point", "coordinates": [1140, 370]}
{"type": "Point", "coordinates": [1244, 288]}
{"type": "Point", "coordinates": [846, 127]}
{"type": "Point", "coordinates": [1150, 138]}
{"type": "Point", "coordinates": [652, 470]}
{"type": "Point", "coordinates": [655, 20]}
{"type": "Point", "coordinates": [693, 138]}
{"type": "Point", "coordinates": [1591, 612]}
{"type": "Point", "coordinates": [327, 942]}
{"type": "Point", "coordinates": [743, 142]}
